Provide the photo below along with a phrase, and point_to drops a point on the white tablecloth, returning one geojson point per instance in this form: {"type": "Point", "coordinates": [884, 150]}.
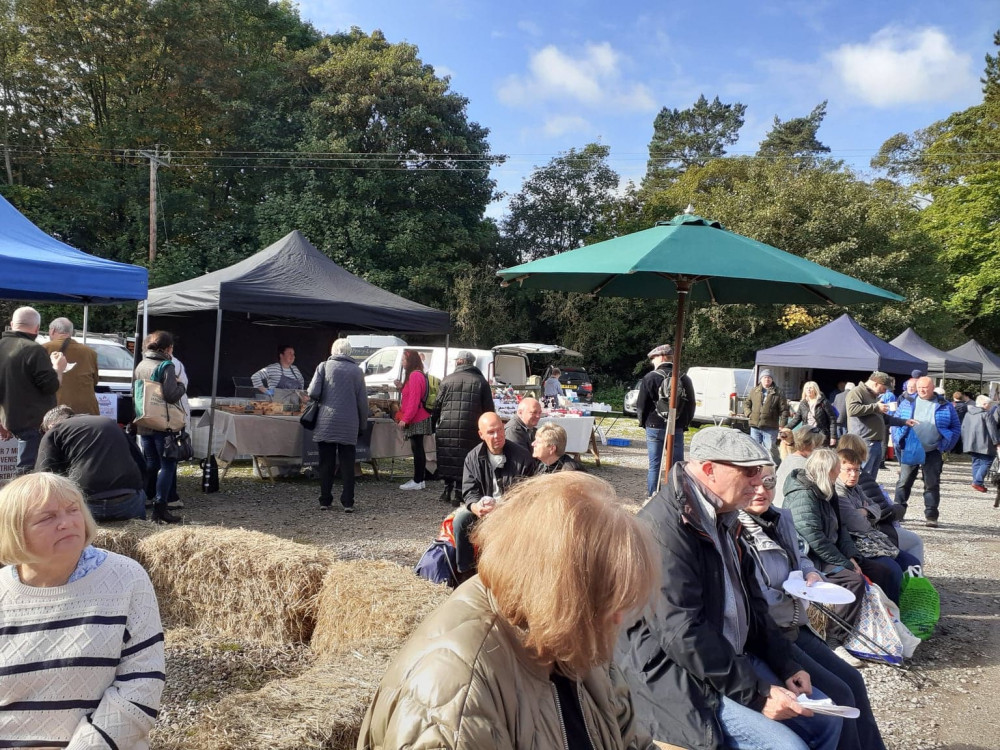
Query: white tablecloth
{"type": "Point", "coordinates": [578, 431]}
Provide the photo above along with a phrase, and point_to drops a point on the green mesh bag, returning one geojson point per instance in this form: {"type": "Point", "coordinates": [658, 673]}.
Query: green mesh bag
{"type": "Point", "coordinates": [919, 604]}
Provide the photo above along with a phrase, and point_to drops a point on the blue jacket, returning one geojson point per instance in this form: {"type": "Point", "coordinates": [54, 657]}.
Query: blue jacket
{"type": "Point", "coordinates": [945, 419]}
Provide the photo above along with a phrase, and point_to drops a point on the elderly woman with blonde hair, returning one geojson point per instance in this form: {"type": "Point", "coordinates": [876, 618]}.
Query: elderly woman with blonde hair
{"type": "Point", "coordinates": [520, 655]}
{"type": "Point", "coordinates": [82, 646]}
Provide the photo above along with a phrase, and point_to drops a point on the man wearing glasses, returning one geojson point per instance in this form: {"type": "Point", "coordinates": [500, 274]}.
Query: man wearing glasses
{"type": "Point", "coordinates": [706, 664]}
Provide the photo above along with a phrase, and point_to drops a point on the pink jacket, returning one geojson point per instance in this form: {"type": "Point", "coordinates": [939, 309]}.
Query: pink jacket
{"type": "Point", "coordinates": [411, 408]}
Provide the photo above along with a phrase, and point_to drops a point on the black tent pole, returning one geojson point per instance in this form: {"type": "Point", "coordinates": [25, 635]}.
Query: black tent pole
{"type": "Point", "coordinates": [215, 380]}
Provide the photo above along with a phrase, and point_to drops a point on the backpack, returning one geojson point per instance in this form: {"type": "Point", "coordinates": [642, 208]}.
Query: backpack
{"type": "Point", "coordinates": [663, 396]}
{"type": "Point", "coordinates": [430, 396]}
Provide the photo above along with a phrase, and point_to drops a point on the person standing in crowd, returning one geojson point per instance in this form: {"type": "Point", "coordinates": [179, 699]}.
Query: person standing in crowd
{"type": "Point", "coordinates": [961, 402]}
{"type": "Point", "coordinates": [705, 662]}
{"type": "Point", "coordinates": [841, 388]}
{"type": "Point", "coordinates": [29, 381]}
{"type": "Point", "coordinates": [280, 374]}
{"type": "Point", "coordinates": [463, 397]}
{"type": "Point", "coordinates": [840, 406]}
{"type": "Point", "coordinates": [868, 418]}
{"type": "Point", "coordinates": [520, 429]}
{"type": "Point", "coordinates": [413, 418]}
{"type": "Point", "coordinates": [767, 409]}
{"type": "Point", "coordinates": [815, 411]}
{"type": "Point", "coordinates": [339, 386]}
{"type": "Point", "coordinates": [519, 657]}
{"type": "Point", "coordinates": [161, 472]}
{"type": "Point", "coordinates": [79, 384]}
{"type": "Point", "coordinates": [95, 453]}
{"type": "Point", "coordinates": [768, 535]}
{"type": "Point", "coordinates": [937, 428]}
{"type": "Point", "coordinates": [549, 447]}
{"type": "Point", "coordinates": [980, 438]}
{"type": "Point", "coordinates": [82, 645]}
{"type": "Point", "coordinates": [552, 388]}
{"type": "Point", "coordinates": [650, 418]}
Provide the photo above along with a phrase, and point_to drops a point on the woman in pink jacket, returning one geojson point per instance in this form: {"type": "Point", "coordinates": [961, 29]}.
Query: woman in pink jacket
{"type": "Point", "coordinates": [413, 418]}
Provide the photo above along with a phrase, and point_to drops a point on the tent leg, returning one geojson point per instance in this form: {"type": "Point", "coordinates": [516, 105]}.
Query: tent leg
{"type": "Point", "coordinates": [86, 319]}
{"type": "Point", "coordinates": [683, 287]}
{"type": "Point", "coordinates": [447, 342]}
{"type": "Point", "coordinates": [215, 380]}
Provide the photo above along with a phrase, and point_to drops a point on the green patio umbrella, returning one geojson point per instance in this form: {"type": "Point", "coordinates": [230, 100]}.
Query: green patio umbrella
{"type": "Point", "coordinates": [693, 258]}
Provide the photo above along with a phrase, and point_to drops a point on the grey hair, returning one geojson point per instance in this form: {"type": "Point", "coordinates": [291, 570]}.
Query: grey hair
{"type": "Point", "coordinates": [552, 434]}
{"type": "Point", "coordinates": [982, 401]}
{"type": "Point", "coordinates": [25, 318]}
{"type": "Point", "coordinates": [818, 467]}
{"type": "Point", "coordinates": [341, 347]}
{"type": "Point", "coordinates": [54, 416]}
{"type": "Point", "coordinates": [61, 325]}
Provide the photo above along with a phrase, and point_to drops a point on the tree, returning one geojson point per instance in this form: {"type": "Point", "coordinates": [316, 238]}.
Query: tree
{"type": "Point", "coordinates": [795, 137]}
{"type": "Point", "coordinates": [684, 138]}
{"type": "Point", "coordinates": [560, 204]}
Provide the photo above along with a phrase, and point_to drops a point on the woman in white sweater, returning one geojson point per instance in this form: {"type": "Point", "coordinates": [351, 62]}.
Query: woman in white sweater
{"type": "Point", "coordinates": [81, 645]}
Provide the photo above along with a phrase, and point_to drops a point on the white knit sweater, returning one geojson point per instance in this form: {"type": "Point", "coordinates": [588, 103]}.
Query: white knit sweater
{"type": "Point", "coordinates": [81, 665]}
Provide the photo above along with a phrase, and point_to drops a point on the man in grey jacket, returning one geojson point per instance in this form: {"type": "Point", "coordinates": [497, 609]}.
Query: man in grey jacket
{"type": "Point", "coordinates": [867, 417]}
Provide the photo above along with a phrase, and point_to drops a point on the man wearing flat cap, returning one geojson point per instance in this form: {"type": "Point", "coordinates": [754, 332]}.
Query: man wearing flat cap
{"type": "Point", "coordinates": [867, 417]}
{"type": "Point", "coordinates": [706, 664]}
{"type": "Point", "coordinates": [651, 419]}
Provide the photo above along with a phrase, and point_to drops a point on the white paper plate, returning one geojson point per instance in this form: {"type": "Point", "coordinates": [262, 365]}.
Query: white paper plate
{"type": "Point", "coordinates": [828, 707]}
{"type": "Point", "coordinates": [822, 593]}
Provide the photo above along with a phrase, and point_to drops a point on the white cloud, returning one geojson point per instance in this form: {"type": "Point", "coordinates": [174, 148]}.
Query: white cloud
{"type": "Point", "coordinates": [593, 79]}
{"type": "Point", "coordinates": [898, 66]}
{"type": "Point", "coordinates": [529, 27]}
{"type": "Point", "coordinates": [443, 70]}
{"type": "Point", "coordinates": [561, 124]}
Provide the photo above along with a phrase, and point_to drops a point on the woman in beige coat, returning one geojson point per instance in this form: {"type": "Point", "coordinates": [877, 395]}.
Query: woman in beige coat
{"type": "Point", "coordinates": [520, 656]}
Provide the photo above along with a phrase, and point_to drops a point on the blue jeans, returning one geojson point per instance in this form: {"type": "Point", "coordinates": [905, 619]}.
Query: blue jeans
{"type": "Point", "coordinates": [746, 729]}
{"type": "Point", "coordinates": [655, 438]}
{"type": "Point", "coordinates": [161, 472]}
{"type": "Point", "coordinates": [887, 572]}
{"type": "Point", "coordinates": [931, 470]}
{"type": "Point", "coordinates": [768, 437]}
{"type": "Point", "coordinates": [980, 465]}
{"type": "Point", "coordinates": [119, 509]}
{"type": "Point", "coordinates": [27, 450]}
{"type": "Point", "coordinates": [874, 459]}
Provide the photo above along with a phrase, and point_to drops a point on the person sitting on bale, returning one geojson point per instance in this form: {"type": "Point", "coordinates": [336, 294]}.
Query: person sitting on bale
{"type": "Point", "coordinates": [549, 448]}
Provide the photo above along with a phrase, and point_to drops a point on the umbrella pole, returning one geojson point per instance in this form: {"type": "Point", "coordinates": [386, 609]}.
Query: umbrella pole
{"type": "Point", "coordinates": [683, 287]}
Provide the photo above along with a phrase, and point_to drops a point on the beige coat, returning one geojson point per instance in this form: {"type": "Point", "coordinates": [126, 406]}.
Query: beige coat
{"type": "Point", "coordinates": [79, 384]}
{"type": "Point", "coordinates": [463, 681]}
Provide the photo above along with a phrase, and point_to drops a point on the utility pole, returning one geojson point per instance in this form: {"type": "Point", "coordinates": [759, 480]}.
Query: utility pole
{"type": "Point", "coordinates": [156, 159]}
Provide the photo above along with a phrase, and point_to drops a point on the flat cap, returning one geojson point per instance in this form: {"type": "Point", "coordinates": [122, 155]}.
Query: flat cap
{"type": "Point", "coordinates": [729, 445]}
{"type": "Point", "coordinates": [663, 350]}
{"type": "Point", "coordinates": [464, 355]}
{"type": "Point", "coordinates": [881, 378]}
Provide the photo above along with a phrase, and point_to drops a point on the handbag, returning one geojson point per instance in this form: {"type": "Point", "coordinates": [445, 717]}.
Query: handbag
{"type": "Point", "coordinates": [152, 411]}
{"type": "Point", "coordinates": [919, 603]}
{"type": "Point", "coordinates": [310, 414]}
{"type": "Point", "coordinates": [875, 543]}
{"type": "Point", "coordinates": [177, 445]}
{"type": "Point", "coordinates": [878, 634]}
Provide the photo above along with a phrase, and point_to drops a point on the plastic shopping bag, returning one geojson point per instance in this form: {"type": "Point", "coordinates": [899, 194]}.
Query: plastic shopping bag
{"type": "Point", "coordinates": [919, 604]}
{"type": "Point", "coordinates": [874, 635]}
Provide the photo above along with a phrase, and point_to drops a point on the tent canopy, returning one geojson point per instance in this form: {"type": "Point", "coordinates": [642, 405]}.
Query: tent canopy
{"type": "Point", "coordinates": [939, 364]}
{"type": "Point", "coordinates": [842, 344]}
{"type": "Point", "coordinates": [291, 279]}
{"type": "Point", "coordinates": [40, 268]}
{"type": "Point", "coordinates": [975, 351]}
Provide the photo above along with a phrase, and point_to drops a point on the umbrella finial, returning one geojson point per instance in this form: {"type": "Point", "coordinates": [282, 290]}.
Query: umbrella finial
{"type": "Point", "coordinates": [690, 209]}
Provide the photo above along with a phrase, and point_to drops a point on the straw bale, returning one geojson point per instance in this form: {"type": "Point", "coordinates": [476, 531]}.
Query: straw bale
{"type": "Point", "coordinates": [371, 601]}
{"type": "Point", "coordinates": [122, 539]}
{"type": "Point", "coordinates": [236, 582]}
{"type": "Point", "coordinates": [321, 709]}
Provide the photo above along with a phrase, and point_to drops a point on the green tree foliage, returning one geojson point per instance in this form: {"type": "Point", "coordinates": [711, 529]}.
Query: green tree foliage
{"type": "Point", "coordinates": [795, 137]}
{"type": "Point", "coordinates": [560, 205]}
{"type": "Point", "coordinates": [685, 138]}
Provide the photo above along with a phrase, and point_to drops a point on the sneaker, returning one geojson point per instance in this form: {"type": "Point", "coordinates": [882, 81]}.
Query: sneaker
{"type": "Point", "coordinates": [978, 487]}
{"type": "Point", "coordinates": [411, 485]}
{"type": "Point", "coordinates": [932, 522]}
{"type": "Point", "coordinates": [848, 657]}
{"type": "Point", "coordinates": [175, 504]}
{"type": "Point", "coordinates": [348, 509]}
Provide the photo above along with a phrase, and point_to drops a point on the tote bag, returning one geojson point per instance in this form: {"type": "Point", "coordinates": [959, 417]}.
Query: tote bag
{"type": "Point", "coordinates": [919, 603]}
{"type": "Point", "coordinates": [911, 451]}
{"type": "Point", "coordinates": [152, 411]}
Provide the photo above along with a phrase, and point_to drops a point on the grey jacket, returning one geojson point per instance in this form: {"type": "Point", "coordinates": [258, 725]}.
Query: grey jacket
{"type": "Point", "coordinates": [339, 385]}
{"type": "Point", "coordinates": [979, 432]}
{"type": "Point", "coordinates": [864, 417]}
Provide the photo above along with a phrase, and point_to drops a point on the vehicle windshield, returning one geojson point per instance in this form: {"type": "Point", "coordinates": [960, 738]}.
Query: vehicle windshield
{"type": "Point", "coordinates": [111, 357]}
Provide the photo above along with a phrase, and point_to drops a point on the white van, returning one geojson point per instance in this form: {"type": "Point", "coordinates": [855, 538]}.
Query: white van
{"type": "Point", "coordinates": [719, 390]}
{"type": "Point", "coordinates": [502, 365]}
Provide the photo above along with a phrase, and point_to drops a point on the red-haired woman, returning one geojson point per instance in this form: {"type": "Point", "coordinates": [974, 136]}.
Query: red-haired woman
{"type": "Point", "coordinates": [413, 418]}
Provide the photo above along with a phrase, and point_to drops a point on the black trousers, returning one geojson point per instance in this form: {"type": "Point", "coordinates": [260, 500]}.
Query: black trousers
{"type": "Point", "coordinates": [419, 458]}
{"type": "Point", "coordinates": [331, 454]}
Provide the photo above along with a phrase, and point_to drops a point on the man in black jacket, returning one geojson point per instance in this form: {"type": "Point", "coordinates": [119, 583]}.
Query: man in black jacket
{"type": "Point", "coordinates": [520, 429]}
{"type": "Point", "coordinates": [96, 454]}
{"type": "Point", "coordinates": [706, 664]}
{"type": "Point", "coordinates": [656, 426]}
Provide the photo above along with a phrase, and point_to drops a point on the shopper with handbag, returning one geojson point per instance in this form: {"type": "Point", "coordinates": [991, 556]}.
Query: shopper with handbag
{"type": "Point", "coordinates": [157, 368]}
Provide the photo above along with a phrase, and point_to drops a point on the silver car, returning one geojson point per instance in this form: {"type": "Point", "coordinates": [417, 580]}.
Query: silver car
{"type": "Point", "coordinates": [631, 404]}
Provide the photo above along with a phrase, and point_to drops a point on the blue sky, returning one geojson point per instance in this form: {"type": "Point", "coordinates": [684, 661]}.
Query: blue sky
{"type": "Point", "coordinates": [545, 77]}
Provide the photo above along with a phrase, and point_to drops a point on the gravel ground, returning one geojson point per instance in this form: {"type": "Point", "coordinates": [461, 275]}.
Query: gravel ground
{"type": "Point", "coordinates": [946, 701]}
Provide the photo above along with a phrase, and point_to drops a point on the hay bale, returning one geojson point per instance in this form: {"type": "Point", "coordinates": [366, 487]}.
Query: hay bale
{"type": "Point", "coordinates": [321, 709]}
{"type": "Point", "coordinates": [371, 601]}
{"type": "Point", "coordinates": [236, 582]}
{"type": "Point", "coordinates": [122, 539]}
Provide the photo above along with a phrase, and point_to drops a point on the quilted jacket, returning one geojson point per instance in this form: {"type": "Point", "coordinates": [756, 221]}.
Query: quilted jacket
{"type": "Point", "coordinates": [463, 397]}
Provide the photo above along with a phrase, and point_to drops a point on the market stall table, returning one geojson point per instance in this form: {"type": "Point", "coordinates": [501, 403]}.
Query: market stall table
{"type": "Point", "coordinates": [580, 434]}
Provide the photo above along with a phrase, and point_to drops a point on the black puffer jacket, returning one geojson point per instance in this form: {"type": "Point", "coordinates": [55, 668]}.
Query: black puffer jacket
{"type": "Point", "coordinates": [463, 397]}
{"type": "Point", "coordinates": [676, 659]}
{"type": "Point", "coordinates": [826, 417]}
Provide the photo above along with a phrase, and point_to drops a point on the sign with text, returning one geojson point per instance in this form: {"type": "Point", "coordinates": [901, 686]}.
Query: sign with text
{"type": "Point", "coordinates": [107, 403]}
{"type": "Point", "coordinates": [8, 459]}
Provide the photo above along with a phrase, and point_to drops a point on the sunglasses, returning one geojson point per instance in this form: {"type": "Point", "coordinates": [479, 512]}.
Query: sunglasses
{"type": "Point", "coordinates": [747, 471]}
{"type": "Point", "coordinates": [769, 482]}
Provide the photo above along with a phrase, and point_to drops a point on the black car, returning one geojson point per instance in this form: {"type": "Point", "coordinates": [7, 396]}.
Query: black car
{"type": "Point", "coordinates": [575, 379]}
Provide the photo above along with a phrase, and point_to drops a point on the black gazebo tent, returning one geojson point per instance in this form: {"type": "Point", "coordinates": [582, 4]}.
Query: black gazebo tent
{"type": "Point", "coordinates": [975, 351]}
{"type": "Point", "coordinates": [939, 364]}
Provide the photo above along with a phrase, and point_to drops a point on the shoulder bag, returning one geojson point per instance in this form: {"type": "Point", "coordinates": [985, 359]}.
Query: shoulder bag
{"type": "Point", "coordinates": [152, 411]}
{"type": "Point", "coordinates": [311, 413]}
